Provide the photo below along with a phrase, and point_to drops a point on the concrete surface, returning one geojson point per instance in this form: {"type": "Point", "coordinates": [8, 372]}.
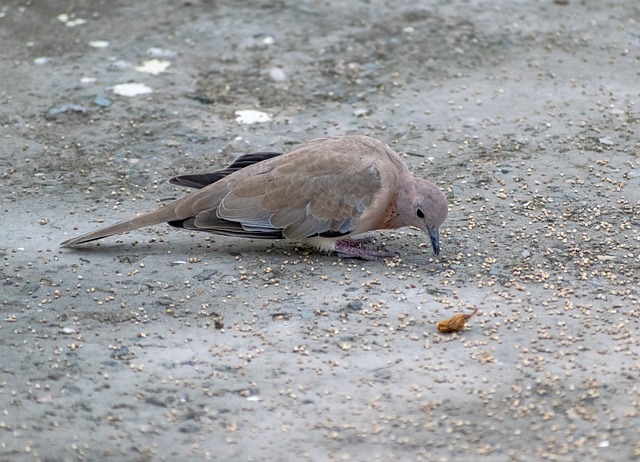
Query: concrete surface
{"type": "Point", "coordinates": [163, 346]}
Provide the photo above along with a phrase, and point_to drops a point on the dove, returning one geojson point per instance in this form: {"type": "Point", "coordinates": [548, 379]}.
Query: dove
{"type": "Point", "coordinates": [323, 192]}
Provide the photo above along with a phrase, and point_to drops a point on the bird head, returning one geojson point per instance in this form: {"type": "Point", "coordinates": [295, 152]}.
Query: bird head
{"type": "Point", "coordinates": [424, 206]}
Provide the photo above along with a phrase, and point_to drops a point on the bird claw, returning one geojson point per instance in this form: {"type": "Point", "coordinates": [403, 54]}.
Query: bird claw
{"type": "Point", "coordinates": [358, 248]}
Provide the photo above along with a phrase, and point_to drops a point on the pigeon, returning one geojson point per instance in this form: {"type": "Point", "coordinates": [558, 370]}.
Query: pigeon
{"type": "Point", "coordinates": [323, 192]}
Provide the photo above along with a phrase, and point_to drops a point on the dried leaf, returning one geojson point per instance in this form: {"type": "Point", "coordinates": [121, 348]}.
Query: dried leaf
{"type": "Point", "coordinates": [455, 323]}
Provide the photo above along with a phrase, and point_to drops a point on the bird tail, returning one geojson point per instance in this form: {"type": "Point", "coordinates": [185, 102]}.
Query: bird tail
{"type": "Point", "coordinates": [155, 217]}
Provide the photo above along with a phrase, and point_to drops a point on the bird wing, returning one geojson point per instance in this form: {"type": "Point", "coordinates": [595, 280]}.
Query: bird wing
{"type": "Point", "coordinates": [200, 180]}
{"type": "Point", "coordinates": [336, 188]}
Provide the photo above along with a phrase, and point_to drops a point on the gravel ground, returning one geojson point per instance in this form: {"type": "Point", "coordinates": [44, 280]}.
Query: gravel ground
{"type": "Point", "coordinates": [162, 346]}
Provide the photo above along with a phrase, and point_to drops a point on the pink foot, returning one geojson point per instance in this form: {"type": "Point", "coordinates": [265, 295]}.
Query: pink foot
{"type": "Point", "coordinates": [359, 248]}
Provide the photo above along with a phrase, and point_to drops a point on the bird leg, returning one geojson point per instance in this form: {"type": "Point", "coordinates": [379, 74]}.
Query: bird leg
{"type": "Point", "coordinates": [361, 248]}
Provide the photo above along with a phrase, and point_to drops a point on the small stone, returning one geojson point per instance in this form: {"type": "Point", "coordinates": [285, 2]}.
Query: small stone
{"type": "Point", "coordinates": [153, 66]}
{"type": "Point", "coordinates": [70, 20]}
{"type": "Point", "coordinates": [251, 116]}
{"type": "Point", "coordinates": [120, 353]}
{"type": "Point", "coordinates": [66, 107]}
{"type": "Point", "coordinates": [131, 89]}
{"type": "Point", "coordinates": [103, 102]}
{"type": "Point", "coordinates": [277, 74]}
{"type": "Point", "coordinates": [98, 43]}
{"type": "Point", "coordinates": [161, 53]}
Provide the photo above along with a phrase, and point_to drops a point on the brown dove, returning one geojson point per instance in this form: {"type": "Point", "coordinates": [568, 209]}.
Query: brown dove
{"type": "Point", "coordinates": [323, 192]}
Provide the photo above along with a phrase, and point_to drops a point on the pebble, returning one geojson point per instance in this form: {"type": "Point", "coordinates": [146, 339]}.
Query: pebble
{"type": "Point", "coordinates": [70, 21]}
{"type": "Point", "coordinates": [131, 89]}
{"type": "Point", "coordinates": [118, 64]}
{"type": "Point", "coordinates": [102, 102]}
{"type": "Point", "coordinates": [120, 352]}
{"type": "Point", "coordinates": [277, 74]}
{"type": "Point", "coordinates": [98, 43]}
{"type": "Point", "coordinates": [57, 110]}
{"type": "Point", "coordinates": [161, 53]}
{"type": "Point", "coordinates": [251, 116]}
{"type": "Point", "coordinates": [153, 66]}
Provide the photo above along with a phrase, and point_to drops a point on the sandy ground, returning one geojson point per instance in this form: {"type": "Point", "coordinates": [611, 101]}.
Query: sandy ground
{"type": "Point", "coordinates": [162, 346]}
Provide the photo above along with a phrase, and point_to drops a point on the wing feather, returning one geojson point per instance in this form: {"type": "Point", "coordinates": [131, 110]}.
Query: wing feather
{"type": "Point", "coordinates": [200, 180]}
{"type": "Point", "coordinates": [319, 189]}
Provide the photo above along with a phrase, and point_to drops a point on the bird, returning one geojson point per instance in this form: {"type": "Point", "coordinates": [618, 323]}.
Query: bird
{"type": "Point", "coordinates": [325, 192]}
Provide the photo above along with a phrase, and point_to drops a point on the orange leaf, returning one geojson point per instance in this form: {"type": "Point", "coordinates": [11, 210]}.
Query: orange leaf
{"type": "Point", "coordinates": [455, 323]}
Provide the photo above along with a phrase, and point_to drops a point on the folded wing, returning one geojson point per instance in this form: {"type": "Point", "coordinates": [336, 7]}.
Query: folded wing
{"type": "Point", "coordinates": [321, 193]}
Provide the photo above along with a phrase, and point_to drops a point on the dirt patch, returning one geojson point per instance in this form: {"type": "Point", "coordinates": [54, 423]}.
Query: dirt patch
{"type": "Point", "coordinates": [162, 345]}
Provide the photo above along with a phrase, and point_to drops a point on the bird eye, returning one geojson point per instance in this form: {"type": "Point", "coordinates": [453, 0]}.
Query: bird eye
{"type": "Point", "coordinates": [420, 213]}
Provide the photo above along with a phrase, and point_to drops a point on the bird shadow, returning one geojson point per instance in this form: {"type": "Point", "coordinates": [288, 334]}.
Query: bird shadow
{"type": "Point", "coordinates": [126, 250]}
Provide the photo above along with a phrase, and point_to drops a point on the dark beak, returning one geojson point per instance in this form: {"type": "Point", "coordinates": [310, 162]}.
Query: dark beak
{"type": "Point", "coordinates": [434, 234]}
